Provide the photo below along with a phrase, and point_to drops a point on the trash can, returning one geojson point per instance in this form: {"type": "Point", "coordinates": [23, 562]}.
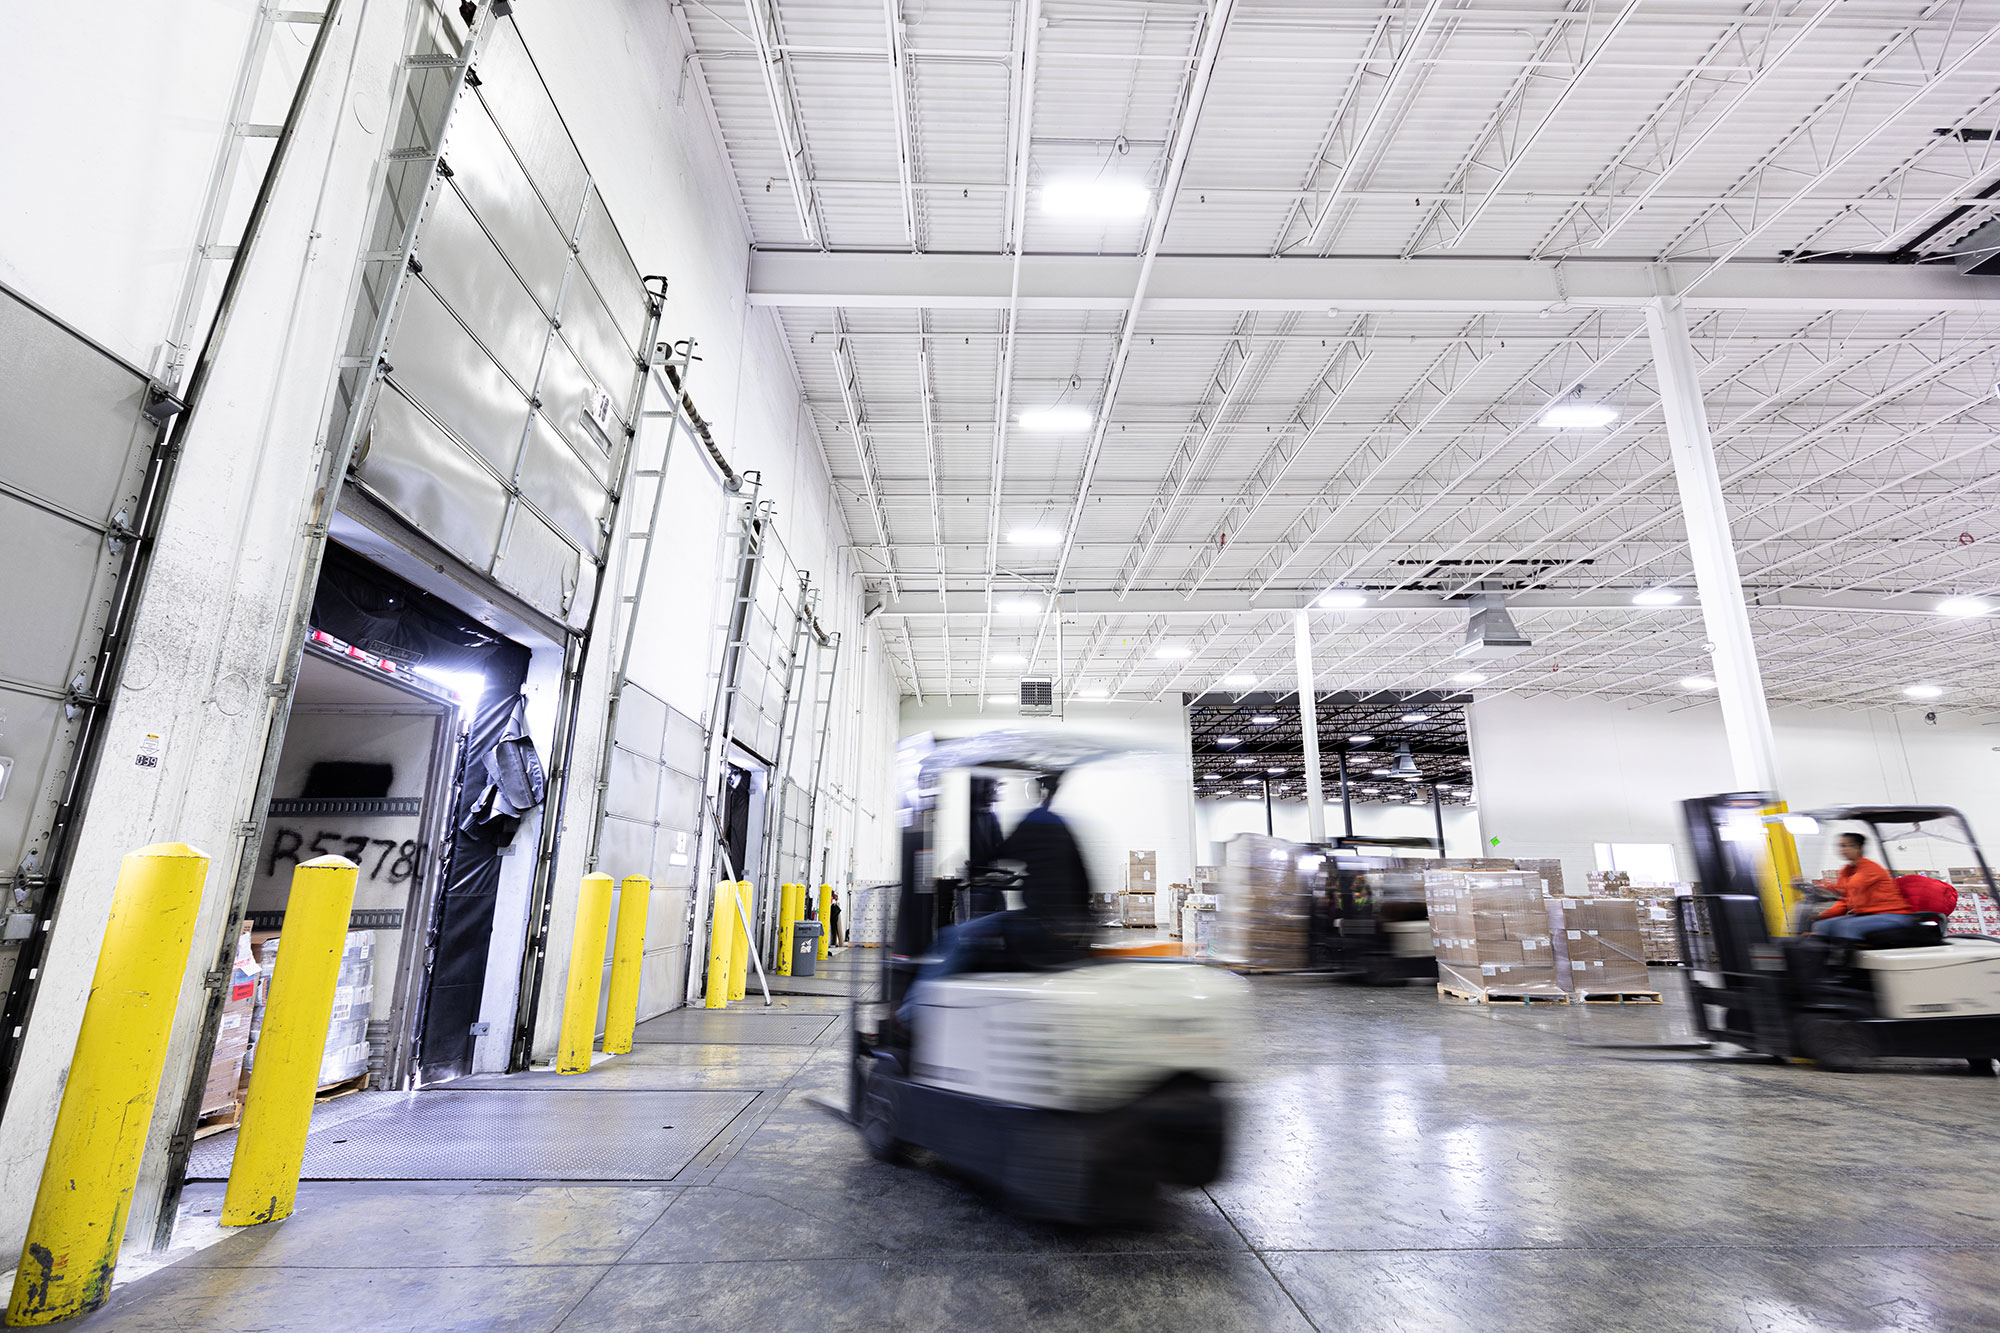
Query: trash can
{"type": "Point", "coordinates": [805, 947]}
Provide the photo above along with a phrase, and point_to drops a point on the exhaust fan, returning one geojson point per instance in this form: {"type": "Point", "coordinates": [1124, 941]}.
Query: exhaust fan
{"type": "Point", "coordinates": [1038, 696]}
{"type": "Point", "coordinates": [1490, 632]}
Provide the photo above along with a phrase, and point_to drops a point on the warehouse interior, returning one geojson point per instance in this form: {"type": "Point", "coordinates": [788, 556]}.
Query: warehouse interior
{"type": "Point", "coordinates": [1001, 664]}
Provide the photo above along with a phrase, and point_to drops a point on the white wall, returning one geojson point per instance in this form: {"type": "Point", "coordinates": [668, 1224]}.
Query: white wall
{"type": "Point", "coordinates": [1219, 821]}
{"type": "Point", "coordinates": [1555, 776]}
{"type": "Point", "coordinates": [1135, 803]}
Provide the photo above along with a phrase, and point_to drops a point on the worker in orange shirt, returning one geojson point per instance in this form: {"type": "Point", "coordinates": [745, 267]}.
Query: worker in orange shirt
{"type": "Point", "coordinates": [1869, 899]}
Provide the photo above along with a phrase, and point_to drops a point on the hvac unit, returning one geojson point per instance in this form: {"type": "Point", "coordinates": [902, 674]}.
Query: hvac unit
{"type": "Point", "coordinates": [1038, 696]}
{"type": "Point", "coordinates": [1490, 632]}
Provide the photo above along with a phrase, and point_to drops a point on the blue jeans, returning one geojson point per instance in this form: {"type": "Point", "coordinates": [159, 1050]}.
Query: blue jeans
{"type": "Point", "coordinates": [1857, 927]}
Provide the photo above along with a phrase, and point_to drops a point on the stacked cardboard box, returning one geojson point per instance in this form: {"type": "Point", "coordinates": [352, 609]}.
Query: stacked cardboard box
{"type": "Point", "coordinates": [1597, 946]}
{"type": "Point", "coordinates": [1655, 906]}
{"type": "Point", "coordinates": [219, 1093]}
{"type": "Point", "coordinates": [1142, 872]}
{"type": "Point", "coordinates": [1264, 906]}
{"type": "Point", "coordinates": [1490, 930]}
{"type": "Point", "coordinates": [346, 1053]}
{"type": "Point", "coordinates": [1976, 914]}
{"type": "Point", "coordinates": [1548, 869]}
{"type": "Point", "coordinates": [1137, 909]}
{"type": "Point", "coordinates": [1198, 915]}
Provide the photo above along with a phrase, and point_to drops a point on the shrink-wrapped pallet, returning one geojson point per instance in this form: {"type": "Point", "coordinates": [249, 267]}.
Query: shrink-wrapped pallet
{"type": "Point", "coordinates": [1491, 934]}
{"type": "Point", "coordinates": [1264, 904]}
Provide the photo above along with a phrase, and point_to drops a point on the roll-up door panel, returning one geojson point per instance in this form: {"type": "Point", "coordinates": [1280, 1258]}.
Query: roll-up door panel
{"type": "Point", "coordinates": [634, 789]}
{"type": "Point", "coordinates": [520, 105]}
{"type": "Point", "coordinates": [75, 436]}
{"type": "Point", "coordinates": [35, 736]}
{"type": "Point", "coordinates": [565, 393]}
{"type": "Point", "coordinates": [565, 491]}
{"type": "Point", "coordinates": [464, 269]}
{"type": "Point", "coordinates": [492, 183]}
{"type": "Point", "coordinates": [588, 329]}
{"type": "Point", "coordinates": [422, 473]}
{"type": "Point", "coordinates": [540, 566]}
{"type": "Point", "coordinates": [440, 366]}
{"type": "Point", "coordinates": [642, 722]}
{"type": "Point", "coordinates": [46, 611]}
{"type": "Point", "coordinates": [625, 847]}
{"type": "Point", "coordinates": [611, 271]}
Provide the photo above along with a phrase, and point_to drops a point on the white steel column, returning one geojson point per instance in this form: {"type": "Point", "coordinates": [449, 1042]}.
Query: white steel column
{"type": "Point", "coordinates": [1746, 717]}
{"type": "Point", "coordinates": [1309, 726]}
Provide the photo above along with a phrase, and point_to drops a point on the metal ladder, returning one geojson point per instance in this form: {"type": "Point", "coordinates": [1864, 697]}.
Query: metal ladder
{"type": "Point", "coordinates": [215, 247]}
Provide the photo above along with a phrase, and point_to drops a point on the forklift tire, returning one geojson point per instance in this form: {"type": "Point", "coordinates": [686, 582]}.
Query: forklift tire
{"type": "Point", "coordinates": [1832, 1043]}
{"type": "Point", "coordinates": [878, 1114]}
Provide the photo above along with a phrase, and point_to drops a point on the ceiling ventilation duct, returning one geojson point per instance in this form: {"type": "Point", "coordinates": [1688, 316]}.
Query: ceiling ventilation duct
{"type": "Point", "coordinates": [1406, 767]}
{"type": "Point", "coordinates": [1038, 696]}
{"type": "Point", "coordinates": [1490, 632]}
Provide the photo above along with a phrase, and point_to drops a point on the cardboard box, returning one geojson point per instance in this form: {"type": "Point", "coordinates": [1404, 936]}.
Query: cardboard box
{"type": "Point", "coordinates": [1490, 932]}
{"type": "Point", "coordinates": [1597, 945]}
{"type": "Point", "coordinates": [220, 1091]}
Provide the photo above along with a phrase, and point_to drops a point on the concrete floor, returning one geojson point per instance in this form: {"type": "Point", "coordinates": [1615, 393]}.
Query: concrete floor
{"type": "Point", "coordinates": [1400, 1165]}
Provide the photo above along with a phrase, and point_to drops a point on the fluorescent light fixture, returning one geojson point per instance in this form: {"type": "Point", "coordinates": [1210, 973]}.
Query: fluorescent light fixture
{"type": "Point", "coordinates": [1579, 416]}
{"type": "Point", "coordinates": [1416, 717]}
{"type": "Point", "coordinates": [1342, 599]}
{"type": "Point", "coordinates": [1239, 682]}
{"type": "Point", "coordinates": [1359, 740]}
{"type": "Point", "coordinates": [1229, 740]}
{"type": "Point", "coordinates": [1801, 824]}
{"type": "Point", "coordinates": [1170, 650]}
{"type": "Point", "coordinates": [1470, 678]}
{"type": "Point", "coordinates": [1018, 606]}
{"type": "Point", "coordinates": [1035, 537]}
{"type": "Point", "coordinates": [1923, 691]}
{"type": "Point", "coordinates": [1275, 772]}
{"type": "Point", "coordinates": [1055, 419]}
{"type": "Point", "coordinates": [1964, 606]}
{"type": "Point", "coordinates": [1411, 777]}
{"type": "Point", "coordinates": [1211, 777]}
{"type": "Point", "coordinates": [1385, 772]}
{"type": "Point", "coordinates": [1245, 760]}
{"type": "Point", "coordinates": [1656, 597]}
{"type": "Point", "coordinates": [1009, 659]}
{"type": "Point", "coordinates": [1000, 698]}
{"type": "Point", "coordinates": [1265, 719]}
{"type": "Point", "coordinates": [1097, 197]}
{"type": "Point", "coordinates": [1697, 683]}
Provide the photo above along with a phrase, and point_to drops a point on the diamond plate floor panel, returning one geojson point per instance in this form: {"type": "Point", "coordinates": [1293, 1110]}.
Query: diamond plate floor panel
{"type": "Point", "coordinates": [585, 1134]}
{"type": "Point", "coordinates": [742, 1028]}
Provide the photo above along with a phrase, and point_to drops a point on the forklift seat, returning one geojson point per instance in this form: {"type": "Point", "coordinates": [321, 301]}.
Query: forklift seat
{"type": "Point", "coordinates": [1928, 930]}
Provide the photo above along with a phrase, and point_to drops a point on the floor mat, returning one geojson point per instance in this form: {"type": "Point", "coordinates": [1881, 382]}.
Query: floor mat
{"type": "Point", "coordinates": [448, 1134]}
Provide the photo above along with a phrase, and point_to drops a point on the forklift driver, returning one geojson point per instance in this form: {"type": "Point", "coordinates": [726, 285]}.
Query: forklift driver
{"type": "Point", "coordinates": [1869, 899]}
{"type": "Point", "coordinates": [1053, 926]}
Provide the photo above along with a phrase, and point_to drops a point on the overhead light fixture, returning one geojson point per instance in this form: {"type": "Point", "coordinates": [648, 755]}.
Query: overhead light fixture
{"type": "Point", "coordinates": [1697, 683]}
{"type": "Point", "coordinates": [1170, 651]}
{"type": "Point", "coordinates": [1275, 772]}
{"type": "Point", "coordinates": [1229, 740]}
{"type": "Point", "coordinates": [1470, 678]}
{"type": "Point", "coordinates": [1009, 659]}
{"type": "Point", "coordinates": [1964, 606]}
{"type": "Point", "coordinates": [1359, 740]}
{"type": "Point", "coordinates": [1211, 777]}
{"type": "Point", "coordinates": [1000, 698]}
{"type": "Point", "coordinates": [1923, 691]}
{"type": "Point", "coordinates": [1239, 682]}
{"type": "Point", "coordinates": [1019, 606]}
{"type": "Point", "coordinates": [1055, 419]}
{"type": "Point", "coordinates": [1244, 760]}
{"type": "Point", "coordinates": [1342, 599]}
{"type": "Point", "coordinates": [1265, 719]}
{"type": "Point", "coordinates": [1573, 413]}
{"type": "Point", "coordinates": [1416, 717]}
{"type": "Point", "coordinates": [1095, 197]}
{"type": "Point", "coordinates": [1035, 537]}
{"type": "Point", "coordinates": [1385, 772]}
{"type": "Point", "coordinates": [1656, 597]}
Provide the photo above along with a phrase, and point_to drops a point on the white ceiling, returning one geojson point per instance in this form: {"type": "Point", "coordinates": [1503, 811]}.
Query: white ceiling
{"type": "Point", "coordinates": [1392, 234]}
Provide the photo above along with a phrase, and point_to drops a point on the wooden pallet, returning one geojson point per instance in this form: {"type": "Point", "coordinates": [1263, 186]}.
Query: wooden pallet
{"type": "Point", "coordinates": [1618, 997]}
{"type": "Point", "coordinates": [342, 1088]}
{"type": "Point", "coordinates": [1482, 997]}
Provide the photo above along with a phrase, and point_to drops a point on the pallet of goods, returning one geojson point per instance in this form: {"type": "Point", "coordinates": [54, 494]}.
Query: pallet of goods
{"type": "Point", "coordinates": [1137, 910]}
{"type": "Point", "coordinates": [1265, 907]}
{"type": "Point", "coordinates": [1976, 914]}
{"type": "Point", "coordinates": [1198, 915]}
{"type": "Point", "coordinates": [1490, 930]}
{"type": "Point", "coordinates": [1600, 955]}
{"type": "Point", "coordinates": [1656, 911]}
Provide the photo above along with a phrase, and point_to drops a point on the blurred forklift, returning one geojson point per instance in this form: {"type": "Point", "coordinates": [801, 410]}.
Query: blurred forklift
{"type": "Point", "coordinates": [1369, 924]}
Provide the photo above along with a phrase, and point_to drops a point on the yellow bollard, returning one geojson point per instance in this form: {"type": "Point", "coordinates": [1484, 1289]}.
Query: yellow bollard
{"type": "Point", "coordinates": [721, 938]}
{"type": "Point", "coordinates": [739, 951]}
{"type": "Point", "coordinates": [114, 1077]}
{"type": "Point", "coordinates": [586, 974]}
{"type": "Point", "coordinates": [628, 951]}
{"type": "Point", "coordinates": [825, 920]}
{"type": "Point", "coordinates": [277, 1112]}
{"type": "Point", "coordinates": [790, 899]}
